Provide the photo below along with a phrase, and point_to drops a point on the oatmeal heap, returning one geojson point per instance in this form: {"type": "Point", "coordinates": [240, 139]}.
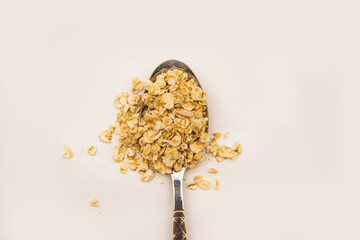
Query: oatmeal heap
{"type": "Point", "coordinates": [162, 126]}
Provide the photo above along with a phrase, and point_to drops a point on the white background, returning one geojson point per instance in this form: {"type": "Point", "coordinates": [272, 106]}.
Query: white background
{"type": "Point", "coordinates": [282, 77]}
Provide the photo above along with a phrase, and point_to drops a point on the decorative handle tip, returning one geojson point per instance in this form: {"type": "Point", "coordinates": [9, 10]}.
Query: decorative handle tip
{"type": "Point", "coordinates": [179, 229]}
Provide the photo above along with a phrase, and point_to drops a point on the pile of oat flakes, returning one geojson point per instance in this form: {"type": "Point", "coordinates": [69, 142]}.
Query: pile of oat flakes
{"type": "Point", "coordinates": [162, 127]}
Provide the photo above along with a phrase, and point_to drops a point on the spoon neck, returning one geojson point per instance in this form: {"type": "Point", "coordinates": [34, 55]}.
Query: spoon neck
{"type": "Point", "coordinates": [177, 181]}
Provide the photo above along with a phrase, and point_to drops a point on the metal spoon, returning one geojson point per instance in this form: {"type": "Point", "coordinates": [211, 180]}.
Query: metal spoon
{"type": "Point", "coordinates": [179, 229]}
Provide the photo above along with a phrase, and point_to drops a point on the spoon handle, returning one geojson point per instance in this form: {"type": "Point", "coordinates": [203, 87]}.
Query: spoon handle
{"type": "Point", "coordinates": [179, 229]}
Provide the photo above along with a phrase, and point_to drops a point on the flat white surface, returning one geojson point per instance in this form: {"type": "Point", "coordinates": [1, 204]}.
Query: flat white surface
{"type": "Point", "coordinates": [282, 77]}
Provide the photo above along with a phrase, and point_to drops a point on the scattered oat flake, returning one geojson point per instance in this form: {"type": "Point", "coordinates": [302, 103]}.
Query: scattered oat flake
{"type": "Point", "coordinates": [198, 178]}
{"type": "Point", "coordinates": [192, 185]}
{"type": "Point", "coordinates": [94, 202]}
{"type": "Point", "coordinates": [118, 154]}
{"type": "Point", "coordinates": [205, 184]}
{"type": "Point", "coordinates": [124, 167]}
{"type": "Point", "coordinates": [115, 128]}
{"type": "Point", "coordinates": [162, 183]}
{"type": "Point", "coordinates": [217, 184]}
{"type": "Point", "coordinates": [67, 152]}
{"type": "Point", "coordinates": [226, 135]}
{"type": "Point", "coordinates": [213, 171]}
{"type": "Point", "coordinates": [92, 150]}
{"type": "Point", "coordinates": [105, 136]}
{"type": "Point", "coordinates": [148, 176]}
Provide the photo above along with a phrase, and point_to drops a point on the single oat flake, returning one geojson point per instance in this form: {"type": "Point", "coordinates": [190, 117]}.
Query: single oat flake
{"type": "Point", "coordinates": [217, 184]}
{"type": "Point", "coordinates": [198, 178]}
{"type": "Point", "coordinates": [192, 185]}
{"type": "Point", "coordinates": [213, 171]}
{"type": "Point", "coordinates": [92, 150]}
{"type": "Point", "coordinates": [205, 184]}
{"type": "Point", "coordinates": [105, 136]}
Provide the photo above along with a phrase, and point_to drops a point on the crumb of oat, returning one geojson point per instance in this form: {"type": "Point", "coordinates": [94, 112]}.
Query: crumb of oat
{"type": "Point", "coordinates": [217, 135]}
{"type": "Point", "coordinates": [192, 185]}
{"type": "Point", "coordinates": [226, 135]}
{"type": "Point", "coordinates": [213, 171]}
{"type": "Point", "coordinates": [216, 184]}
{"type": "Point", "coordinates": [205, 184]}
{"type": "Point", "coordinates": [92, 150]}
{"type": "Point", "coordinates": [94, 202]}
{"type": "Point", "coordinates": [162, 183]}
{"type": "Point", "coordinates": [67, 152]}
